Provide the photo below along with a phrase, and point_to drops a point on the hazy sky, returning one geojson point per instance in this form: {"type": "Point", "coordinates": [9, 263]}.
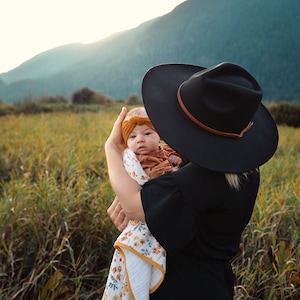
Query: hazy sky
{"type": "Point", "coordinates": [29, 27]}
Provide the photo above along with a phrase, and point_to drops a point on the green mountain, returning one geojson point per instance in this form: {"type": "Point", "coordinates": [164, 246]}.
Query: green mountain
{"type": "Point", "coordinates": [261, 35]}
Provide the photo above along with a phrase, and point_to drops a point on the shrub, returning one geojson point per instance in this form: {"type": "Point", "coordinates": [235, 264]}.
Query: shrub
{"type": "Point", "coordinates": [133, 99]}
{"type": "Point", "coordinates": [99, 98]}
{"type": "Point", "coordinates": [54, 99]}
{"type": "Point", "coordinates": [82, 96]}
{"type": "Point", "coordinates": [88, 96]}
{"type": "Point", "coordinates": [286, 113]}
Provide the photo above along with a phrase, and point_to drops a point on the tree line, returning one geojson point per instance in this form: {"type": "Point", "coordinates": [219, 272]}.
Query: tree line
{"type": "Point", "coordinates": [83, 99]}
{"type": "Point", "coordinates": [86, 99]}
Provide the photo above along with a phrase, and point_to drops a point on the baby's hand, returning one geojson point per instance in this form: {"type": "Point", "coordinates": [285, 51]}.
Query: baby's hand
{"type": "Point", "coordinates": [175, 160]}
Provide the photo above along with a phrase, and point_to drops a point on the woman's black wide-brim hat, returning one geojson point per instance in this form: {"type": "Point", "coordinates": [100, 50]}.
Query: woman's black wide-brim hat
{"type": "Point", "coordinates": [212, 116]}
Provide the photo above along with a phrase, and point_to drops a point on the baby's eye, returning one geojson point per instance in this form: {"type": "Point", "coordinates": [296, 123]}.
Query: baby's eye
{"type": "Point", "coordinates": [148, 132]}
{"type": "Point", "coordinates": [132, 136]}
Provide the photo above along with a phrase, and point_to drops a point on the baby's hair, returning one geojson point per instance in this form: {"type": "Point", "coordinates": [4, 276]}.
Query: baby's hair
{"type": "Point", "coordinates": [137, 111]}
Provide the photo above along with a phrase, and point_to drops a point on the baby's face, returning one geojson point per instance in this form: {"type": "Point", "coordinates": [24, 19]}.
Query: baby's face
{"type": "Point", "coordinates": [143, 140]}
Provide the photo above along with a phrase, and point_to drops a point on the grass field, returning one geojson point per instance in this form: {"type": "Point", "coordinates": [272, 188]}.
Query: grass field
{"type": "Point", "coordinates": [56, 238]}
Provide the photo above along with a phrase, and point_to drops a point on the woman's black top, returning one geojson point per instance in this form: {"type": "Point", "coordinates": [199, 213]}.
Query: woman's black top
{"type": "Point", "coordinates": [198, 219]}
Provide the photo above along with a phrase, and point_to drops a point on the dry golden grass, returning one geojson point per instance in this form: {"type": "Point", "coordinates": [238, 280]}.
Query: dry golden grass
{"type": "Point", "coordinates": [56, 238]}
{"type": "Point", "coordinates": [271, 242]}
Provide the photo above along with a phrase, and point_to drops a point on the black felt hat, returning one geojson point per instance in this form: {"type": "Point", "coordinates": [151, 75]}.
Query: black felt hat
{"type": "Point", "coordinates": [212, 116]}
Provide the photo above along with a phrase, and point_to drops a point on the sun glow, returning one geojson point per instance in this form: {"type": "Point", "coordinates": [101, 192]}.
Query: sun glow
{"type": "Point", "coordinates": [33, 26]}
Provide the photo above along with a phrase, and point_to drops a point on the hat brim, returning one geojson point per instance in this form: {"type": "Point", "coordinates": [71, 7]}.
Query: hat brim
{"type": "Point", "coordinates": [218, 153]}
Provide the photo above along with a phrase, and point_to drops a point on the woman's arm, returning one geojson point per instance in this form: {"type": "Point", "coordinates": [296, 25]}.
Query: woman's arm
{"type": "Point", "coordinates": [127, 190]}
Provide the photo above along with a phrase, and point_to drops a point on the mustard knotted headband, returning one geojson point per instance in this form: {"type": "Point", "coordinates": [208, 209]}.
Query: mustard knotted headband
{"type": "Point", "coordinates": [128, 125]}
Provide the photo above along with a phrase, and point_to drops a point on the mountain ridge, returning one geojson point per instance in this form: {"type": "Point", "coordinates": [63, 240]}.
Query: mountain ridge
{"type": "Point", "coordinates": [259, 35]}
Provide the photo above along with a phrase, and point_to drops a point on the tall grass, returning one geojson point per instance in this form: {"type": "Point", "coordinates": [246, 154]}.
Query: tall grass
{"type": "Point", "coordinates": [56, 238]}
{"type": "Point", "coordinates": [270, 243]}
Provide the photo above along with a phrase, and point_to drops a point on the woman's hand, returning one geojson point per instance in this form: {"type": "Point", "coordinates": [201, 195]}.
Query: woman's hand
{"type": "Point", "coordinates": [117, 215]}
{"type": "Point", "coordinates": [115, 138]}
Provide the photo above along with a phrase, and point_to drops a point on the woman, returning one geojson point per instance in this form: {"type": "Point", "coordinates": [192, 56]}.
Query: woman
{"type": "Point", "coordinates": [213, 117]}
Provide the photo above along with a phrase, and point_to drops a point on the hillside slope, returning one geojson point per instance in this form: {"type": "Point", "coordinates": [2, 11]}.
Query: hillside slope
{"type": "Point", "coordinates": [260, 35]}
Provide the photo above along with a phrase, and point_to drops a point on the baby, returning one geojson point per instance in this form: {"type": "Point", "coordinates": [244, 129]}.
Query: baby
{"type": "Point", "coordinates": [139, 261]}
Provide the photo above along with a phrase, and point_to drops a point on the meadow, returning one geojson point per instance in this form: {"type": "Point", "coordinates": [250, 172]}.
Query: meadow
{"type": "Point", "coordinates": [56, 238]}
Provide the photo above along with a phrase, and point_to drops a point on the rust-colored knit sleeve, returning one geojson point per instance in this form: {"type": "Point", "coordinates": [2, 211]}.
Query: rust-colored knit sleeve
{"type": "Point", "coordinates": [155, 166]}
{"type": "Point", "coordinates": [169, 151]}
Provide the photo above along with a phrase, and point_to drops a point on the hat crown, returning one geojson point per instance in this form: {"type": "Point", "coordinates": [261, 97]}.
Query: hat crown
{"type": "Point", "coordinates": [224, 98]}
